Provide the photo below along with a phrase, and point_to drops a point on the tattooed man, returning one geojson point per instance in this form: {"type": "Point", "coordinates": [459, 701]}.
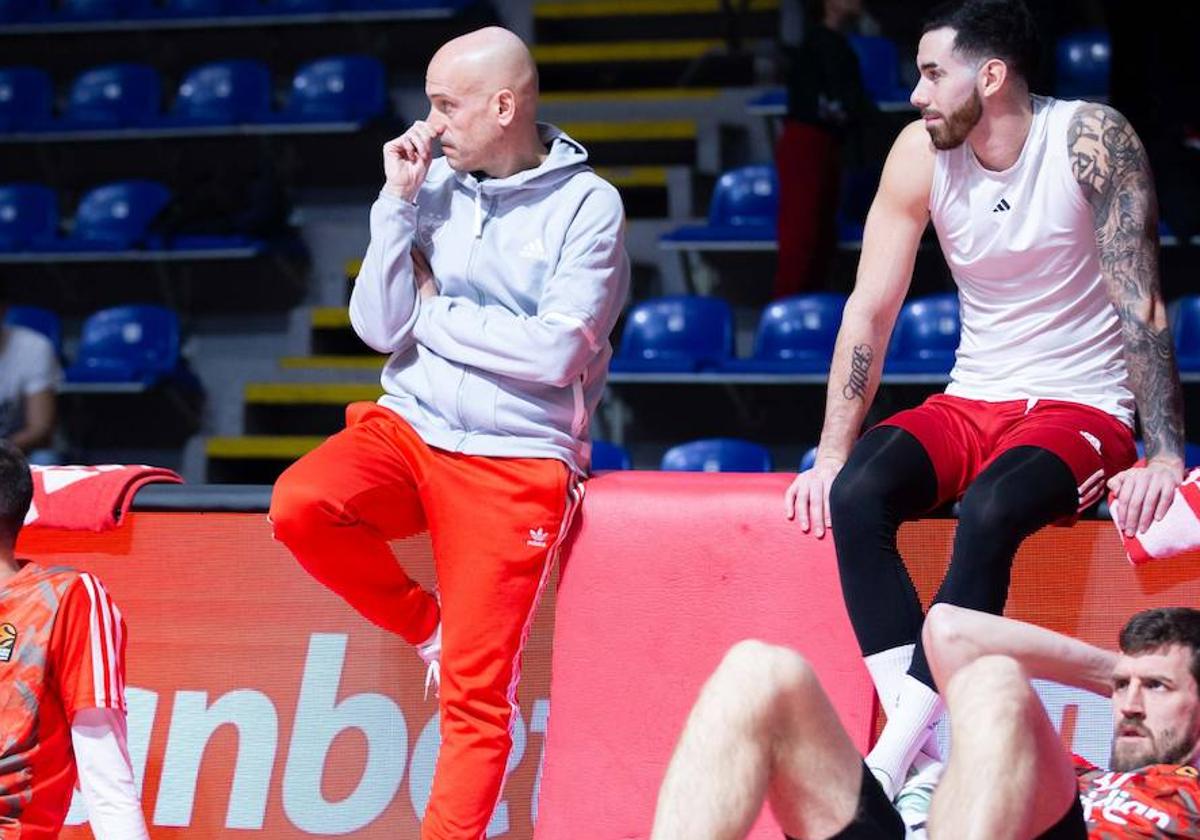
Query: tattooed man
{"type": "Point", "coordinates": [1046, 215]}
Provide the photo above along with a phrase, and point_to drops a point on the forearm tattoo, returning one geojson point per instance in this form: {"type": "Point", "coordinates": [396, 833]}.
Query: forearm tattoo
{"type": "Point", "coordinates": [1110, 165]}
{"type": "Point", "coordinates": [860, 373]}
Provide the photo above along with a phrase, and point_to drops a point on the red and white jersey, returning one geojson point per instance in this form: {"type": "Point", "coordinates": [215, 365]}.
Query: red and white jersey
{"type": "Point", "coordinates": [1160, 801]}
{"type": "Point", "coordinates": [62, 649]}
{"type": "Point", "coordinates": [1037, 320]}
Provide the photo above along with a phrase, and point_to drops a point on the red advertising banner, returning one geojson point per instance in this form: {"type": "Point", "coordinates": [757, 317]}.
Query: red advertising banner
{"type": "Point", "coordinates": [260, 705]}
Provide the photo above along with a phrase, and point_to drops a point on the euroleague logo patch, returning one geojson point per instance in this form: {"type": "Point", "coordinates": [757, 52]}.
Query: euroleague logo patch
{"type": "Point", "coordinates": [8, 641]}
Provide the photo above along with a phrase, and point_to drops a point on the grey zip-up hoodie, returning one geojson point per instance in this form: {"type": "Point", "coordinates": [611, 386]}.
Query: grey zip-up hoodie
{"type": "Point", "coordinates": [511, 357]}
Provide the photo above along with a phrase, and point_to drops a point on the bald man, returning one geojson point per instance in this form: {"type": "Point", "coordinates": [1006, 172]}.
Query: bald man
{"type": "Point", "coordinates": [493, 278]}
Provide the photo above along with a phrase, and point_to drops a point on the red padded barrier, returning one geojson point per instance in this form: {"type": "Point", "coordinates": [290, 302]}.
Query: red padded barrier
{"type": "Point", "coordinates": [665, 572]}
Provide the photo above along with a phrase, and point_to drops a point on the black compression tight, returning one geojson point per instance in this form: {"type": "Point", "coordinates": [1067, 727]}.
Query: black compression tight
{"type": "Point", "coordinates": [888, 479]}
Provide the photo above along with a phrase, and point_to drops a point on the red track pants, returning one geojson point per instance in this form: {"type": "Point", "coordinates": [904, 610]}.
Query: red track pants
{"type": "Point", "coordinates": [495, 524]}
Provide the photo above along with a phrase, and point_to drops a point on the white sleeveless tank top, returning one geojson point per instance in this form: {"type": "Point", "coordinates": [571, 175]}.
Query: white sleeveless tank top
{"type": "Point", "coordinates": [1037, 321]}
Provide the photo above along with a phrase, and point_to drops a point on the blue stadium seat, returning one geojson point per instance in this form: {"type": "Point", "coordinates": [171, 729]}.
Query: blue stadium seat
{"type": "Point", "coordinates": [113, 96]}
{"type": "Point", "coordinates": [115, 217]}
{"type": "Point", "coordinates": [717, 455]}
{"type": "Point", "coordinates": [795, 335]}
{"type": "Point", "coordinates": [28, 217]}
{"type": "Point", "coordinates": [810, 458]}
{"type": "Point", "coordinates": [97, 10]}
{"type": "Point", "coordinates": [744, 208]}
{"type": "Point", "coordinates": [610, 456]}
{"type": "Point", "coordinates": [681, 334]}
{"type": "Point", "coordinates": [211, 8]}
{"type": "Point", "coordinates": [452, 6]}
{"type": "Point", "coordinates": [926, 336]}
{"type": "Point", "coordinates": [1082, 61]}
{"type": "Point", "coordinates": [223, 93]}
{"type": "Point", "coordinates": [303, 7]}
{"type": "Point", "coordinates": [348, 88]}
{"type": "Point", "coordinates": [879, 60]}
{"type": "Point", "coordinates": [38, 319]}
{"type": "Point", "coordinates": [1191, 453]}
{"type": "Point", "coordinates": [127, 344]}
{"type": "Point", "coordinates": [1185, 327]}
{"type": "Point", "coordinates": [24, 11]}
{"type": "Point", "coordinates": [26, 98]}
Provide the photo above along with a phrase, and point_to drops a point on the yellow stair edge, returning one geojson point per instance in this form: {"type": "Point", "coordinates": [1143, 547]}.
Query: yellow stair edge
{"type": "Point", "coordinates": [365, 362]}
{"type": "Point", "coordinates": [311, 393]}
{"type": "Point", "coordinates": [601, 130]}
{"type": "Point", "coordinates": [620, 8]}
{"type": "Point", "coordinates": [625, 51]}
{"type": "Point", "coordinates": [330, 317]}
{"type": "Point", "coordinates": [262, 446]}
{"type": "Point", "coordinates": [559, 97]}
{"type": "Point", "coordinates": [634, 176]}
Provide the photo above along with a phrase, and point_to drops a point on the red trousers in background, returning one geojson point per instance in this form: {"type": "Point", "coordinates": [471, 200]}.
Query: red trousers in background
{"type": "Point", "coordinates": [808, 160]}
{"type": "Point", "coordinates": [495, 525]}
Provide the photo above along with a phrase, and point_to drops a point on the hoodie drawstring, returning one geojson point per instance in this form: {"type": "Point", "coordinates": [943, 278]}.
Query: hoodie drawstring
{"type": "Point", "coordinates": [478, 213]}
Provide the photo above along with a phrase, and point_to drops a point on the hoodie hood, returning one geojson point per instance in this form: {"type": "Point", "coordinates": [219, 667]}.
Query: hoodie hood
{"type": "Point", "coordinates": [565, 158]}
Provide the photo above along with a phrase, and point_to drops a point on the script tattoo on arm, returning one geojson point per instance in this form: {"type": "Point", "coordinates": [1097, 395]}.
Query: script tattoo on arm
{"type": "Point", "coordinates": [1110, 165]}
{"type": "Point", "coordinates": [860, 373]}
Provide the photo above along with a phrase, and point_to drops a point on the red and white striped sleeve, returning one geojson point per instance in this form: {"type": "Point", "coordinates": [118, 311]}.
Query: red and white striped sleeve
{"type": "Point", "coordinates": [87, 648]}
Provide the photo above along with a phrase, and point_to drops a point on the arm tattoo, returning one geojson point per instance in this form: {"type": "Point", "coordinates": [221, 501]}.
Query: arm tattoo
{"type": "Point", "coordinates": [860, 373]}
{"type": "Point", "coordinates": [1110, 165]}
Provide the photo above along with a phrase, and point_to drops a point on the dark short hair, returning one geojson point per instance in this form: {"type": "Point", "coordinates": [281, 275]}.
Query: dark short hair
{"type": "Point", "coordinates": [16, 490]}
{"type": "Point", "coordinates": [1002, 29]}
{"type": "Point", "coordinates": [1151, 630]}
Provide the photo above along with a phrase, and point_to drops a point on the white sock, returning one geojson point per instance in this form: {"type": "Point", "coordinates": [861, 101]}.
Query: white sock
{"type": "Point", "coordinates": [908, 728]}
{"type": "Point", "coordinates": [888, 668]}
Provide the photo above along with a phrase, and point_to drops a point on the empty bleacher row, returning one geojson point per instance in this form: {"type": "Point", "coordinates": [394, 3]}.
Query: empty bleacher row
{"type": "Point", "coordinates": [112, 221]}
{"type": "Point", "coordinates": [238, 93]}
{"type": "Point", "coordinates": [120, 349]}
{"type": "Point", "coordinates": [43, 13]}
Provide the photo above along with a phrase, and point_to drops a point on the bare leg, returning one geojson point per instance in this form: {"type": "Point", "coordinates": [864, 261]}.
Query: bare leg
{"type": "Point", "coordinates": [761, 729]}
{"type": "Point", "coordinates": [1009, 777]}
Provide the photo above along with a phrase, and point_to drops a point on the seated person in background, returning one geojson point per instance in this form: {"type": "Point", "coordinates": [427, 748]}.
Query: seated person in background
{"type": "Point", "coordinates": [29, 374]}
{"type": "Point", "coordinates": [62, 689]}
{"type": "Point", "coordinates": [763, 729]}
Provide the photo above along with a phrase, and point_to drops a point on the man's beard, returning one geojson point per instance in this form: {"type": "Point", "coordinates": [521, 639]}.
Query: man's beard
{"type": "Point", "coordinates": [1166, 747]}
{"type": "Point", "coordinates": [957, 125]}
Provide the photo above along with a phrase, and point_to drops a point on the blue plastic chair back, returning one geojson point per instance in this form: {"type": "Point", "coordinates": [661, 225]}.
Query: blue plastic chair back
{"type": "Point", "coordinates": [693, 330]}
{"type": "Point", "coordinates": [193, 8]}
{"type": "Point", "coordinates": [809, 459]}
{"type": "Point", "coordinates": [302, 7]}
{"type": "Point", "coordinates": [1185, 329]}
{"type": "Point", "coordinates": [127, 344]}
{"type": "Point", "coordinates": [116, 216]}
{"type": "Point", "coordinates": [926, 335]}
{"type": "Point", "coordinates": [95, 10]}
{"type": "Point", "coordinates": [39, 320]}
{"type": "Point", "coordinates": [1082, 64]}
{"type": "Point", "coordinates": [113, 96]}
{"type": "Point", "coordinates": [803, 327]}
{"type": "Point", "coordinates": [24, 11]}
{"type": "Point", "coordinates": [610, 456]}
{"type": "Point", "coordinates": [347, 88]}
{"type": "Point", "coordinates": [717, 455]}
{"type": "Point", "coordinates": [224, 93]}
{"type": "Point", "coordinates": [746, 196]}
{"type": "Point", "coordinates": [879, 60]}
{"type": "Point", "coordinates": [26, 98]}
{"type": "Point", "coordinates": [28, 216]}
{"type": "Point", "coordinates": [1191, 453]}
